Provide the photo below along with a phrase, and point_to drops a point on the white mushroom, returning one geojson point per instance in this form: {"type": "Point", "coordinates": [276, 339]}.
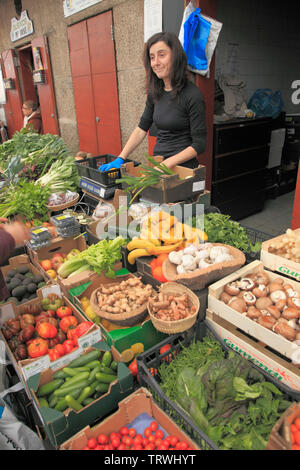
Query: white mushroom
{"type": "Point", "coordinates": [202, 254]}
{"type": "Point", "coordinates": [221, 258]}
{"type": "Point", "coordinates": [175, 257]}
{"type": "Point", "coordinates": [203, 264]}
{"type": "Point", "coordinates": [217, 250]}
{"type": "Point", "coordinates": [190, 250]}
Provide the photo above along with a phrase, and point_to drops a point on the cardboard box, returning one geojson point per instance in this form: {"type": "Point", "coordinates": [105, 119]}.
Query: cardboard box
{"type": "Point", "coordinates": [248, 347]}
{"type": "Point", "coordinates": [123, 337]}
{"type": "Point", "coordinates": [28, 367]}
{"type": "Point", "coordinates": [278, 263]}
{"type": "Point", "coordinates": [60, 426]}
{"type": "Point", "coordinates": [141, 401]}
{"type": "Point", "coordinates": [280, 437]}
{"type": "Point", "coordinates": [269, 337]}
{"type": "Point", "coordinates": [185, 183]}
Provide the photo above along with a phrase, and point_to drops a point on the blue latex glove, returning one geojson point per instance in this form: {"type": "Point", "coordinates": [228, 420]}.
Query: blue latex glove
{"type": "Point", "coordinates": [114, 164]}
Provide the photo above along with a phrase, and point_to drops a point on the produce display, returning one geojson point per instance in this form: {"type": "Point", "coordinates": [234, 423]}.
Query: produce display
{"type": "Point", "coordinates": [22, 284]}
{"type": "Point", "coordinates": [49, 328]}
{"type": "Point", "coordinates": [274, 305]}
{"type": "Point", "coordinates": [171, 307]}
{"type": "Point", "coordinates": [57, 199]}
{"type": "Point", "coordinates": [51, 265]}
{"type": "Point", "coordinates": [223, 394]}
{"type": "Point", "coordinates": [62, 176]}
{"type": "Point", "coordinates": [295, 434]}
{"type": "Point", "coordinates": [287, 246]}
{"type": "Point", "coordinates": [153, 438]}
{"type": "Point", "coordinates": [84, 380]}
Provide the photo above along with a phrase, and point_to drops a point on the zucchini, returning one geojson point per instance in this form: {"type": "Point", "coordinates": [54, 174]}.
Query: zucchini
{"type": "Point", "coordinates": [105, 378]}
{"type": "Point", "coordinates": [49, 387]}
{"type": "Point", "coordinates": [106, 358]}
{"type": "Point", "coordinates": [85, 359]}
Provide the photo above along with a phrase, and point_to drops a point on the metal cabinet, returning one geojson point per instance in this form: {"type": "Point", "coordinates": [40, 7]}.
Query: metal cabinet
{"type": "Point", "coordinates": [240, 158]}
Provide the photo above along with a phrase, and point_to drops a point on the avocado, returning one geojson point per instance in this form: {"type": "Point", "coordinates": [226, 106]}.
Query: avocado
{"type": "Point", "coordinates": [19, 291]}
{"type": "Point", "coordinates": [38, 278]}
{"type": "Point", "coordinates": [29, 274]}
{"type": "Point", "coordinates": [19, 276]}
{"type": "Point", "coordinates": [31, 288]}
{"type": "Point", "coordinates": [15, 283]}
{"type": "Point", "coordinates": [23, 269]}
{"type": "Point", "coordinates": [27, 281]}
{"type": "Point", "coordinates": [7, 280]}
{"type": "Point", "coordinates": [12, 273]}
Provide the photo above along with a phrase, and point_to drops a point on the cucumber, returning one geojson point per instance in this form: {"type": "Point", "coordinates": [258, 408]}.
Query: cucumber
{"type": "Point", "coordinates": [73, 403]}
{"type": "Point", "coordinates": [43, 402]}
{"type": "Point", "coordinates": [92, 364]}
{"type": "Point", "coordinates": [49, 387]}
{"type": "Point", "coordinates": [105, 378]}
{"type": "Point", "coordinates": [114, 366]}
{"type": "Point", "coordinates": [75, 379]}
{"type": "Point", "coordinates": [107, 370]}
{"type": "Point", "coordinates": [106, 358]}
{"type": "Point", "coordinates": [62, 392]}
{"type": "Point", "coordinates": [53, 401]}
{"type": "Point", "coordinates": [85, 359]}
{"type": "Point", "coordinates": [60, 374]}
{"type": "Point", "coordinates": [93, 373]}
{"type": "Point", "coordinates": [88, 401]}
{"type": "Point", "coordinates": [72, 371]}
{"type": "Point", "coordinates": [85, 393]}
{"type": "Point", "coordinates": [102, 388]}
{"type": "Point", "coordinates": [62, 404]}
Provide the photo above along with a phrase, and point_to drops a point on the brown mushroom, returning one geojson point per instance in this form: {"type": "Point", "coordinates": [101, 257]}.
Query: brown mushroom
{"type": "Point", "coordinates": [285, 330]}
{"type": "Point", "coordinates": [232, 288]}
{"type": "Point", "coordinates": [238, 304]}
{"type": "Point", "coordinates": [291, 312]}
{"type": "Point", "coordinates": [262, 278]}
{"type": "Point", "coordinates": [245, 283]}
{"type": "Point", "coordinates": [294, 302]}
{"type": "Point", "coordinates": [274, 311]}
{"type": "Point", "coordinates": [280, 304]}
{"type": "Point", "coordinates": [290, 291]}
{"type": "Point", "coordinates": [253, 313]}
{"type": "Point", "coordinates": [277, 295]}
{"type": "Point", "coordinates": [298, 335]}
{"type": "Point", "coordinates": [274, 286]}
{"type": "Point", "coordinates": [224, 297]}
{"type": "Point", "coordinates": [260, 290]}
{"type": "Point", "coordinates": [267, 321]}
{"type": "Point", "coordinates": [249, 298]}
{"type": "Point", "coordinates": [263, 302]}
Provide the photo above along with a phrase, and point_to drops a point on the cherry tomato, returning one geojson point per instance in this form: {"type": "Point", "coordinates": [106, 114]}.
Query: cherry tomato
{"type": "Point", "coordinates": [162, 447]}
{"type": "Point", "coordinates": [159, 434]}
{"type": "Point", "coordinates": [297, 423]}
{"type": "Point", "coordinates": [173, 440]}
{"type": "Point", "coordinates": [92, 442]}
{"type": "Point", "coordinates": [158, 442]}
{"type": "Point", "coordinates": [102, 439]}
{"type": "Point", "coordinates": [121, 447]}
{"type": "Point", "coordinates": [153, 426]}
{"type": "Point", "coordinates": [138, 439]}
{"type": "Point", "coordinates": [115, 442]}
{"type": "Point", "coordinates": [114, 434]}
{"type": "Point", "coordinates": [151, 439]}
{"type": "Point", "coordinates": [150, 446]}
{"type": "Point", "coordinates": [181, 445]}
{"type": "Point", "coordinates": [147, 432]}
{"type": "Point", "coordinates": [98, 447]}
{"type": "Point", "coordinates": [137, 447]}
{"type": "Point", "coordinates": [166, 443]}
{"type": "Point", "coordinates": [128, 441]}
{"type": "Point", "coordinates": [124, 431]}
{"type": "Point", "coordinates": [145, 441]}
{"type": "Point", "coordinates": [108, 447]}
{"type": "Point", "coordinates": [132, 432]}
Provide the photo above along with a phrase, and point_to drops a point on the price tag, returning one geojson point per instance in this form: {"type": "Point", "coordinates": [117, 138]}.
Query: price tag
{"type": "Point", "coordinates": [198, 186]}
{"type": "Point", "coordinates": [36, 367]}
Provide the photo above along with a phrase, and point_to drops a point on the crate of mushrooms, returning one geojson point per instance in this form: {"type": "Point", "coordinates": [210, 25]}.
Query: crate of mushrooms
{"type": "Point", "coordinates": [262, 304]}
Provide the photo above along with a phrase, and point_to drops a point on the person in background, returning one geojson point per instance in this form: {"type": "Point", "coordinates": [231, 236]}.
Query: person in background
{"type": "Point", "coordinates": [32, 116]}
{"type": "Point", "coordinates": [174, 104]}
{"type": "Point", "coordinates": [3, 132]}
{"type": "Point", "coordinates": [11, 236]}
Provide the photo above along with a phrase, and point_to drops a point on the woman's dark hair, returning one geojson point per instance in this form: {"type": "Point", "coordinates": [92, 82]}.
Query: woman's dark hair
{"type": "Point", "coordinates": [155, 85]}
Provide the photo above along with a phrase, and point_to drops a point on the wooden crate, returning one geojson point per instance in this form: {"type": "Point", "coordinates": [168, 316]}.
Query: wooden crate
{"type": "Point", "coordinates": [268, 337]}
{"type": "Point", "coordinates": [278, 263]}
{"type": "Point", "coordinates": [269, 360]}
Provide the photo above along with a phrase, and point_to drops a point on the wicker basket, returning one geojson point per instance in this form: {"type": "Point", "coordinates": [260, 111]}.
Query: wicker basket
{"type": "Point", "coordinates": [61, 207]}
{"type": "Point", "coordinates": [178, 326]}
{"type": "Point", "coordinates": [122, 319]}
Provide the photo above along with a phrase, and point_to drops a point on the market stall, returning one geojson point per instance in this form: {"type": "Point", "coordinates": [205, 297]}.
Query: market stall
{"type": "Point", "coordinates": [138, 316]}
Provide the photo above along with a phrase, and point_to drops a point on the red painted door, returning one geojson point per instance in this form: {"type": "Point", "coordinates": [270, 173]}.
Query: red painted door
{"type": "Point", "coordinates": [46, 90]}
{"type": "Point", "coordinates": [296, 208]}
{"type": "Point", "coordinates": [13, 106]}
{"type": "Point", "coordinates": [94, 77]}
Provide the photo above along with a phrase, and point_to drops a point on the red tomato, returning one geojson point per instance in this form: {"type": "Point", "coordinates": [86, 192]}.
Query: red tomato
{"type": "Point", "coordinates": [151, 439]}
{"type": "Point", "coordinates": [127, 441]}
{"type": "Point", "coordinates": [173, 440]}
{"type": "Point", "coordinates": [83, 327]}
{"type": "Point", "coordinates": [150, 446]}
{"type": "Point", "coordinates": [153, 426]}
{"type": "Point", "coordinates": [159, 434]}
{"type": "Point", "coordinates": [114, 434]}
{"type": "Point", "coordinates": [132, 432]}
{"type": "Point", "coordinates": [293, 428]}
{"type": "Point", "coordinates": [64, 311]}
{"type": "Point", "coordinates": [68, 322]}
{"type": "Point", "coordinates": [137, 447]}
{"type": "Point", "coordinates": [162, 447]}
{"type": "Point", "coordinates": [147, 432]}
{"type": "Point", "coordinates": [99, 447]}
{"type": "Point", "coordinates": [53, 355]}
{"type": "Point", "coordinates": [102, 439]}
{"type": "Point", "coordinates": [121, 447]}
{"type": "Point", "coordinates": [158, 442]}
{"type": "Point", "coordinates": [108, 447]}
{"type": "Point", "coordinates": [297, 423]}
{"type": "Point", "coordinates": [124, 431]}
{"type": "Point", "coordinates": [166, 443]}
{"type": "Point", "coordinates": [72, 335]}
{"type": "Point", "coordinates": [60, 349]}
{"type": "Point", "coordinates": [297, 437]}
{"type": "Point", "coordinates": [37, 348]}
{"type": "Point", "coordinates": [68, 346]}
{"type": "Point", "coordinates": [164, 349]}
{"type": "Point", "coordinates": [138, 439]}
{"type": "Point", "coordinates": [46, 330]}
{"type": "Point", "coordinates": [145, 441]}
{"type": "Point", "coordinates": [181, 445]}
{"type": "Point", "coordinates": [115, 442]}
{"type": "Point", "coordinates": [92, 442]}
{"type": "Point", "coordinates": [86, 448]}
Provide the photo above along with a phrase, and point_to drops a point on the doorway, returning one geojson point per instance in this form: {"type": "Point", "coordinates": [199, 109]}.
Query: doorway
{"type": "Point", "coordinates": [25, 70]}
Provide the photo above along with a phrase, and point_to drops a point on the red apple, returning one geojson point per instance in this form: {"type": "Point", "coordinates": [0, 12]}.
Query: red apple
{"type": "Point", "coordinates": [59, 255]}
{"type": "Point", "coordinates": [46, 264]}
{"type": "Point", "coordinates": [56, 261]}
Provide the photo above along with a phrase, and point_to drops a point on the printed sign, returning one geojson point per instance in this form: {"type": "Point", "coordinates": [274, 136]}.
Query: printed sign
{"type": "Point", "coordinates": [73, 6]}
{"type": "Point", "coordinates": [21, 28]}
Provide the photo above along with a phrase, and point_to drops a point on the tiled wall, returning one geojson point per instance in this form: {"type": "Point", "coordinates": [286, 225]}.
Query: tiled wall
{"type": "Point", "coordinates": [264, 37]}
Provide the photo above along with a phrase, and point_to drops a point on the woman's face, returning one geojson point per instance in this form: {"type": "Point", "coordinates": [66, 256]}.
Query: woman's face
{"type": "Point", "coordinates": [161, 61]}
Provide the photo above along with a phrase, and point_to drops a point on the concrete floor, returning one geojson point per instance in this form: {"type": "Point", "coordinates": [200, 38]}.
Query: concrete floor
{"type": "Point", "coordinates": [276, 216]}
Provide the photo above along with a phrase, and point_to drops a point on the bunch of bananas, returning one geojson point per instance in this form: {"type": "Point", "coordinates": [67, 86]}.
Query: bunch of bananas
{"type": "Point", "coordinates": [162, 233]}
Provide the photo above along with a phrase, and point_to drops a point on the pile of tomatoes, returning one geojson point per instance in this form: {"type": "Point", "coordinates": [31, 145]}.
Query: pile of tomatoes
{"type": "Point", "coordinates": [128, 439]}
{"type": "Point", "coordinates": [295, 434]}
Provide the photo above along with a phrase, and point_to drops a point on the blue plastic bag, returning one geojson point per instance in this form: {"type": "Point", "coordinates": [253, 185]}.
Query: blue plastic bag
{"type": "Point", "coordinates": [196, 32]}
{"type": "Point", "coordinates": [266, 103]}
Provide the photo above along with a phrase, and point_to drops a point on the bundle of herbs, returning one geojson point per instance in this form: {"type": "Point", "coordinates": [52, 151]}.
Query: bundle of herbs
{"type": "Point", "coordinates": [62, 176]}
{"type": "Point", "coordinates": [228, 399]}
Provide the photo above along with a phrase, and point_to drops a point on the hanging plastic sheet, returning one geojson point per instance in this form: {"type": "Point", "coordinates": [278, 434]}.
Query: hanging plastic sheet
{"type": "Point", "coordinates": [211, 41]}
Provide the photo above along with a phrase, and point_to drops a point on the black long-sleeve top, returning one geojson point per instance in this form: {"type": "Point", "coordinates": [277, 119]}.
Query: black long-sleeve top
{"type": "Point", "coordinates": [180, 122]}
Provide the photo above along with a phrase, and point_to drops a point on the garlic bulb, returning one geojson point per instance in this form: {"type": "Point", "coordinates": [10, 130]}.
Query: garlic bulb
{"type": "Point", "coordinates": [190, 250]}
{"type": "Point", "coordinates": [202, 254]}
{"type": "Point", "coordinates": [188, 262]}
{"type": "Point", "coordinates": [203, 264]}
{"type": "Point", "coordinates": [223, 257]}
{"type": "Point", "coordinates": [217, 250]}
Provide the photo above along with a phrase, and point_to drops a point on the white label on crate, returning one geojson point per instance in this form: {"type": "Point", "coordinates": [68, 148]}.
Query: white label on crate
{"type": "Point", "coordinates": [35, 367]}
{"type": "Point", "coordinates": [102, 192]}
{"type": "Point", "coordinates": [198, 186]}
{"type": "Point", "coordinates": [90, 339]}
{"type": "Point", "coordinates": [3, 358]}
